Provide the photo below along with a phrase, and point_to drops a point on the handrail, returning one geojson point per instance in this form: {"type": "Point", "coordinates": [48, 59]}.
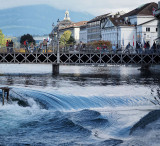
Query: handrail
{"type": "Point", "coordinates": [36, 50]}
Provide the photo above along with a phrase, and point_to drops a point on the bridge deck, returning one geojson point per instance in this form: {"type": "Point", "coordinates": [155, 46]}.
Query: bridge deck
{"type": "Point", "coordinates": [79, 58]}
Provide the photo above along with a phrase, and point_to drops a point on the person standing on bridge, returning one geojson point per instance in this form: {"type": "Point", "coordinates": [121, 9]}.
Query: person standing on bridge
{"type": "Point", "coordinates": [154, 47]}
{"type": "Point", "coordinates": [11, 44]}
{"type": "Point", "coordinates": [26, 45]}
{"type": "Point", "coordinates": [128, 46]}
{"type": "Point", "coordinates": [147, 47]}
{"type": "Point", "coordinates": [45, 45]}
{"type": "Point", "coordinates": [7, 46]}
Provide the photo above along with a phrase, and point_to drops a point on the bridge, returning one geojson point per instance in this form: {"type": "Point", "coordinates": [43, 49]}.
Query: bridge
{"type": "Point", "coordinates": [80, 58]}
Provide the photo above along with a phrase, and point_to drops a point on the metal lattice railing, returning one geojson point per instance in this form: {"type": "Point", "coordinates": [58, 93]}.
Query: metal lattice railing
{"type": "Point", "coordinates": [80, 58]}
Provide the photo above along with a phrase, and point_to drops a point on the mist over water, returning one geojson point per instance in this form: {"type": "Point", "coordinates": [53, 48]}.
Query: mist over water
{"type": "Point", "coordinates": [81, 106]}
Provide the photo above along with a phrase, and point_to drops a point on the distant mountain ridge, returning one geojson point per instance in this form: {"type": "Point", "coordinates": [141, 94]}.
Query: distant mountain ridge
{"type": "Point", "coordinates": [35, 20]}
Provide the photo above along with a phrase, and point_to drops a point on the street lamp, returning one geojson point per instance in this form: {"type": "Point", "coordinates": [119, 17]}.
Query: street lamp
{"type": "Point", "coordinates": [58, 55]}
{"type": "Point", "coordinates": [53, 26]}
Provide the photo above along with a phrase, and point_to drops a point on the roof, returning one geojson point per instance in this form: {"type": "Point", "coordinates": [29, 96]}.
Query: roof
{"type": "Point", "coordinates": [118, 21]}
{"type": "Point", "coordinates": [147, 22]}
{"type": "Point", "coordinates": [145, 9]}
{"type": "Point", "coordinates": [64, 23]}
{"type": "Point", "coordinates": [98, 18]}
{"type": "Point", "coordinates": [77, 24]}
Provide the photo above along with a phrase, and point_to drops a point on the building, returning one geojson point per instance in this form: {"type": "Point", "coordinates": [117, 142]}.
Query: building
{"type": "Point", "coordinates": [94, 28]}
{"type": "Point", "coordinates": [75, 30]}
{"type": "Point", "coordinates": [137, 25]}
{"type": "Point", "coordinates": [83, 33]}
{"type": "Point", "coordinates": [65, 25]}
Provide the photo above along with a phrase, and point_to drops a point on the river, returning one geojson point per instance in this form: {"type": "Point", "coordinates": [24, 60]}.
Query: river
{"type": "Point", "coordinates": [82, 106]}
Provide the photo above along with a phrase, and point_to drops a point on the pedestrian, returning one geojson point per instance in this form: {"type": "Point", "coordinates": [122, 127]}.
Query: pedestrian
{"type": "Point", "coordinates": [140, 48]}
{"type": "Point", "coordinates": [114, 48]}
{"type": "Point", "coordinates": [154, 47]}
{"type": "Point", "coordinates": [128, 46]}
{"type": "Point", "coordinates": [45, 45]}
{"type": "Point", "coordinates": [11, 45]}
{"type": "Point", "coordinates": [147, 47]}
{"type": "Point", "coordinates": [137, 47]}
{"type": "Point", "coordinates": [25, 43]}
{"type": "Point", "coordinates": [7, 46]}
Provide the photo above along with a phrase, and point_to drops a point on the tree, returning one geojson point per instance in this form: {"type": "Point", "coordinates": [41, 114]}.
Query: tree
{"type": "Point", "coordinates": [71, 40]}
{"type": "Point", "coordinates": [65, 37]}
{"type": "Point", "coordinates": [2, 39]}
{"type": "Point", "coordinates": [27, 37]}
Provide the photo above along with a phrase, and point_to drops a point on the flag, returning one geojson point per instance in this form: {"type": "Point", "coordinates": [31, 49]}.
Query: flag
{"type": "Point", "coordinates": [133, 40]}
{"type": "Point", "coordinates": [123, 40]}
{"type": "Point", "coordinates": [153, 11]}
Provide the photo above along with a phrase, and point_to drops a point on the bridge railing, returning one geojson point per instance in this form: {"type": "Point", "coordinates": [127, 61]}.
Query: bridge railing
{"type": "Point", "coordinates": [38, 50]}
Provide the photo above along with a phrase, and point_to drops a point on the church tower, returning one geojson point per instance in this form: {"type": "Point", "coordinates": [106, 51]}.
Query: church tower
{"type": "Point", "coordinates": [67, 16]}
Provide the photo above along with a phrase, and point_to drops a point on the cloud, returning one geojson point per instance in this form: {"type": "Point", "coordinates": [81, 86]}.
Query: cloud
{"type": "Point", "coordinates": [95, 7]}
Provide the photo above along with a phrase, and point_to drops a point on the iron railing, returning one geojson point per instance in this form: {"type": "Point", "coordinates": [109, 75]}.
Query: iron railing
{"type": "Point", "coordinates": [49, 50]}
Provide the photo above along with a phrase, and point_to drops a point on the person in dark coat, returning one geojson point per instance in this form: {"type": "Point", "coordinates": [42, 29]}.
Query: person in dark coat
{"type": "Point", "coordinates": [7, 46]}
{"type": "Point", "coordinates": [11, 45]}
{"type": "Point", "coordinates": [154, 47]}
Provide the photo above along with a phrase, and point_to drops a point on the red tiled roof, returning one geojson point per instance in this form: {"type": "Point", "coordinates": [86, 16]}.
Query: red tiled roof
{"type": "Point", "coordinates": [77, 24]}
{"type": "Point", "coordinates": [98, 18]}
{"type": "Point", "coordinates": [145, 9]}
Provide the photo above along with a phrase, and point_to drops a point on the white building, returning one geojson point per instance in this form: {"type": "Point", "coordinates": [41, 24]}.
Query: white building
{"type": "Point", "coordinates": [94, 28]}
{"type": "Point", "coordinates": [137, 25]}
{"type": "Point", "coordinates": [83, 34]}
{"type": "Point", "coordinates": [65, 25]}
{"type": "Point", "coordinates": [147, 31]}
{"type": "Point", "coordinates": [75, 30]}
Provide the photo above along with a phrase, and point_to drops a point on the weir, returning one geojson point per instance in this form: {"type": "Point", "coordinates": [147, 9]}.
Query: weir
{"type": "Point", "coordinates": [55, 69]}
{"type": "Point", "coordinates": [5, 90]}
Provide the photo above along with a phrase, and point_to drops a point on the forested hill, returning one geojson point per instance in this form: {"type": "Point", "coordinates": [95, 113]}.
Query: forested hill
{"type": "Point", "coordinates": [35, 20]}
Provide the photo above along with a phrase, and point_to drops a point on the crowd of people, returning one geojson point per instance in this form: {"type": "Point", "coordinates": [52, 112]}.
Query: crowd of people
{"type": "Point", "coordinates": [31, 48]}
{"type": "Point", "coordinates": [42, 47]}
{"type": "Point", "coordinates": [139, 49]}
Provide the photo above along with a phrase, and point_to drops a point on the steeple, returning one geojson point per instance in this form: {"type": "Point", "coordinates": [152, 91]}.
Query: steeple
{"type": "Point", "coordinates": [67, 15]}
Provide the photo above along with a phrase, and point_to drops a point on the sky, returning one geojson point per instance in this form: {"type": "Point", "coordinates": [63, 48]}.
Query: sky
{"type": "Point", "coordinates": [94, 7]}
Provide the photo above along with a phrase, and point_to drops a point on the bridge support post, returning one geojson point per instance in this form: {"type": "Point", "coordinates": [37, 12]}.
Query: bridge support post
{"type": "Point", "coordinates": [55, 69]}
{"type": "Point", "coordinates": [3, 94]}
{"type": "Point", "coordinates": [145, 67]}
{"type": "Point", "coordinates": [158, 24]}
{"type": "Point", "coordinates": [5, 90]}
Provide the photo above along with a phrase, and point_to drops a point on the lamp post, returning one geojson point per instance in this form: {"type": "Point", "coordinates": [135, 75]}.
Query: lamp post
{"type": "Point", "coordinates": [53, 36]}
{"type": "Point", "coordinates": [58, 55]}
{"type": "Point", "coordinates": [55, 67]}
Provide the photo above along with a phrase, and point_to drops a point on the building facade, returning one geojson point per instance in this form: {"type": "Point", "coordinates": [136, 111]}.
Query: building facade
{"type": "Point", "coordinates": [138, 25]}
{"type": "Point", "coordinates": [83, 34]}
{"type": "Point", "coordinates": [65, 25]}
{"type": "Point", "coordinates": [94, 28]}
{"type": "Point", "coordinates": [75, 30]}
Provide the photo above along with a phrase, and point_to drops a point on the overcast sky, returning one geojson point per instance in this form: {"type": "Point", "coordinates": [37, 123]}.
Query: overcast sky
{"type": "Point", "coordinates": [94, 7]}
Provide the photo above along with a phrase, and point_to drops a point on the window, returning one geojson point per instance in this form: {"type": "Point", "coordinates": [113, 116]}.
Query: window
{"type": "Point", "coordinates": [156, 29]}
{"type": "Point", "coordinates": [148, 29]}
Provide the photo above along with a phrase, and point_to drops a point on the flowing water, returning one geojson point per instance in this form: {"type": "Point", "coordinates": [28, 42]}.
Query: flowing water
{"type": "Point", "coordinates": [81, 106]}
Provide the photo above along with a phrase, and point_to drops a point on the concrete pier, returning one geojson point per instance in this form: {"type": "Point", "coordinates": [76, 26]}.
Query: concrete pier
{"type": "Point", "coordinates": [5, 90]}
{"type": "Point", "coordinates": [55, 69]}
{"type": "Point", "coordinates": [159, 24]}
{"type": "Point", "coordinates": [145, 67]}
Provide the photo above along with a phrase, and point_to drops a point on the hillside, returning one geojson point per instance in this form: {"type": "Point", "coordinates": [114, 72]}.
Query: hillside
{"type": "Point", "coordinates": [36, 20]}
